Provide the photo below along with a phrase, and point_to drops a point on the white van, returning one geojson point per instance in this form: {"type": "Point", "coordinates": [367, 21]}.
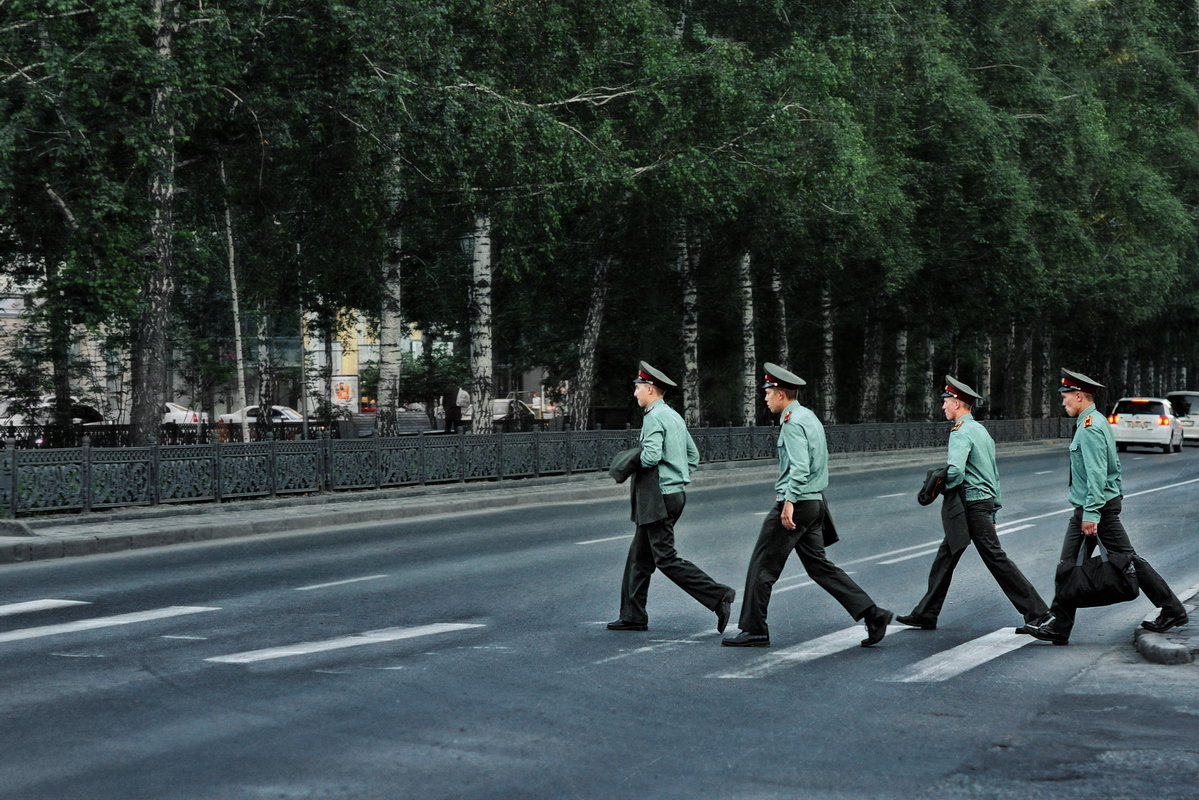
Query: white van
{"type": "Point", "coordinates": [1186, 407]}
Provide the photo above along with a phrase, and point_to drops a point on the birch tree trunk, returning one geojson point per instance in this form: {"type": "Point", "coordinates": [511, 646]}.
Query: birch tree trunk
{"type": "Point", "coordinates": [780, 309]}
{"type": "Point", "coordinates": [899, 399]}
{"type": "Point", "coordinates": [928, 407]}
{"type": "Point", "coordinates": [749, 353]}
{"type": "Point", "coordinates": [235, 295]}
{"type": "Point", "coordinates": [871, 366]}
{"type": "Point", "coordinates": [391, 330]}
{"type": "Point", "coordinates": [584, 386]}
{"type": "Point", "coordinates": [1047, 391]}
{"type": "Point", "coordinates": [479, 311]}
{"type": "Point", "coordinates": [984, 384]}
{"type": "Point", "coordinates": [265, 369]}
{"type": "Point", "coordinates": [688, 265]}
{"type": "Point", "coordinates": [1026, 389]}
{"type": "Point", "coordinates": [151, 343]}
{"type": "Point", "coordinates": [828, 378]}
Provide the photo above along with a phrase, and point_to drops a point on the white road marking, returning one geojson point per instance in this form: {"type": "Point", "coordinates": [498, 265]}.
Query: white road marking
{"type": "Point", "coordinates": [949, 663]}
{"type": "Point", "coordinates": [659, 644]}
{"type": "Point", "coordinates": [1006, 531]}
{"type": "Point", "coordinates": [885, 496]}
{"type": "Point", "coordinates": [921, 554]}
{"type": "Point", "coordinates": [189, 638]}
{"type": "Point", "coordinates": [811, 650]}
{"type": "Point", "coordinates": [1161, 488]}
{"type": "Point", "coordinates": [355, 640]}
{"type": "Point", "coordinates": [798, 585]}
{"type": "Point", "coordinates": [609, 539]}
{"type": "Point", "coordinates": [339, 583]}
{"type": "Point", "coordinates": [102, 622]}
{"type": "Point", "coordinates": [38, 605]}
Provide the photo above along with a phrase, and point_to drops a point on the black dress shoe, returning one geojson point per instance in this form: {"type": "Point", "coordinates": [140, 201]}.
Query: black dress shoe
{"type": "Point", "coordinates": [877, 620]}
{"type": "Point", "coordinates": [744, 639]}
{"type": "Point", "coordinates": [1044, 619]}
{"type": "Point", "coordinates": [724, 610]}
{"type": "Point", "coordinates": [917, 622]}
{"type": "Point", "coordinates": [622, 625]}
{"type": "Point", "coordinates": [1165, 621]}
{"type": "Point", "coordinates": [1048, 633]}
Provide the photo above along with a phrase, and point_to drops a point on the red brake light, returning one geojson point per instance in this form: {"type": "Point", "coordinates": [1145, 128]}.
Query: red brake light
{"type": "Point", "coordinates": [1163, 420]}
{"type": "Point", "coordinates": [1114, 419]}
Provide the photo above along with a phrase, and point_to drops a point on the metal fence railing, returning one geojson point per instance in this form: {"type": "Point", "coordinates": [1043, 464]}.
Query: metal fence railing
{"type": "Point", "coordinates": [86, 477]}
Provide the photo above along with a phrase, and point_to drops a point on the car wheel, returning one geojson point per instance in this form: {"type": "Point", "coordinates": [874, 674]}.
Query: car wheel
{"type": "Point", "coordinates": [1166, 448]}
{"type": "Point", "coordinates": [1178, 447]}
{"type": "Point", "coordinates": [1121, 447]}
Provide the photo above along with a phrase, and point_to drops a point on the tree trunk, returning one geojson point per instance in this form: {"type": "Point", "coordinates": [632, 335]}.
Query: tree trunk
{"type": "Point", "coordinates": [688, 264]}
{"type": "Point", "coordinates": [1047, 391]}
{"type": "Point", "coordinates": [828, 378]}
{"type": "Point", "coordinates": [480, 324]}
{"type": "Point", "coordinates": [391, 330]}
{"type": "Point", "coordinates": [235, 296]}
{"type": "Point", "coordinates": [929, 405]}
{"type": "Point", "coordinates": [265, 368]}
{"type": "Point", "coordinates": [899, 398]}
{"type": "Point", "coordinates": [149, 382]}
{"type": "Point", "coordinates": [872, 363]}
{"type": "Point", "coordinates": [584, 385]}
{"type": "Point", "coordinates": [749, 353]}
{"type": "Point", "coordinates": [1026, 388]}
{"type": "Point", "coordinates": [984, 384]}
{"type": "Point", "coordinates": [780, 307]}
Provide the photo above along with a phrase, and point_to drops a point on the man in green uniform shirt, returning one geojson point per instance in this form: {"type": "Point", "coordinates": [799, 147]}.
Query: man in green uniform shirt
{"type": "Point", "coordinates": [668, 449]}
{"type": "Point", "coordinates": [1096, 492]}
{"type": "Point", "coordinates": [796, 522]}
{"type": "Point", "coordinates": [973, 472]}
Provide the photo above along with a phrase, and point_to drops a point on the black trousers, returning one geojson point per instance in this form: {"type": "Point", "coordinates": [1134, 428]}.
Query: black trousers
{"type": "Point", "coordinates": [653, 548]}
{"type": "Point", "coordinates": [770, 555]}
{"type": "Point", "coordinates": [1111, 532]}
{"type": "Point", "coordinates": [1011, 580]}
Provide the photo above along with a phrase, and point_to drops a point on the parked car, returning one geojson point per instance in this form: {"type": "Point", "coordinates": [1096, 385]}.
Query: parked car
{"type": "Point", "coordinates": [44, 413]}
{"type": "Point", "coordinates": [253, 413]}
{"type": "Point", "coordinates": [1146, 422]}
{"type": "Point", "coordinates": [1186, 406]}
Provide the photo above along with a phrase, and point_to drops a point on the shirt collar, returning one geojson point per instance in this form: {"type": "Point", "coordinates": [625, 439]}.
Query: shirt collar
{"type": "Point", "coordinates": [653, 405]}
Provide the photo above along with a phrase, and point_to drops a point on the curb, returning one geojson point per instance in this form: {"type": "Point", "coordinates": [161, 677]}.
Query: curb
{"type": "Point", "coordinates": [1176, 646]}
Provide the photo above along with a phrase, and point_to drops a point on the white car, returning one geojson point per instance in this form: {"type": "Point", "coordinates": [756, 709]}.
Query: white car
{"type": "Point", "coordinates": [1186, 406]}
{"type": "Point", "coordinates": [173, 412]}
{"type": "Point", "coordinates": [252, 414]}
{"type": "Point", "coordinates": [44, 413]}
{"type": "Point", "coordinates": [1146, 421]}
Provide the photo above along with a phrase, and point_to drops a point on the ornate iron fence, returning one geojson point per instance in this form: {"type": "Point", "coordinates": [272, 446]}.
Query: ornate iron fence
{"type": "Point", "coordinates": [85, 478]}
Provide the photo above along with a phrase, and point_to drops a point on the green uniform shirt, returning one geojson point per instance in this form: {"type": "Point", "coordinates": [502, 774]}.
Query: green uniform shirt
{"type": "Point", "coordinates": [666, 444]}
{"type": "Point", "coordinates": [1094, 465]}
{"type": "Point", "coordinates": [972, 461]}
{"type": "Point", "coordinates": [803, 455]}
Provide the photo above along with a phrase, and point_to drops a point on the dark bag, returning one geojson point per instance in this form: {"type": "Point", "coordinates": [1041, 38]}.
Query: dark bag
{"type": "Point", "coordinates": [1097, 581]}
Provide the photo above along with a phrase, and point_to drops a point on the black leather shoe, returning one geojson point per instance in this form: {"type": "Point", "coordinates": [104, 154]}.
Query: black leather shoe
{"type": "Point", "coordinates": [877, 620]}
{"type": "Point", "coordinates": [1048, 633]}
{"type": "Point", "coordinates": [1165, 621]}
{"type": "Point", "coordinates": [724, 610]}
{"type": "Point", "coordinates": [1034, 623]}
{"type": "Point", "coordinates": [621, 625]}
{"type": "Point", "coordinates": [744, 639]}
{"type": "Point", "coordinates": [917, 622]}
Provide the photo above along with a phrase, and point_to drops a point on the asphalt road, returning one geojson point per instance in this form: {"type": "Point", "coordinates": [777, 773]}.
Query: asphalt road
{"type": "Point", "coordinates": [466, 657]}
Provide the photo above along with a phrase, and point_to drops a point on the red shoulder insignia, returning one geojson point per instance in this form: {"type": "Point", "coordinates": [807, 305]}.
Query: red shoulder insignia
{"type": "Point", "coordinates": [1086, 423]}
{"type": "Point", "coordinates": [956, 426]}
{"type": "Point", "coordinates": [787, 417]}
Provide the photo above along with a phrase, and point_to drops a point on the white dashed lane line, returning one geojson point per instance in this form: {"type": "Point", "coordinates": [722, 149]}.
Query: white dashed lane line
{"type": "Point", "coordinates": [354, 640]}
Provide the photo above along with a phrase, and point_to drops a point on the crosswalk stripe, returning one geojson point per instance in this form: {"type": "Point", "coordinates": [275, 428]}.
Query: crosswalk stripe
{"type": "Point", "coordinates": [810, 650]}
{"type": "Point", "coordinates": [967, 656]}
{"type": "Point", "coordinates": [355, 640]}
{"type": "Point", "coordinates": [101, 622]}
{"type": "Point", "coordinates": [37, 605]}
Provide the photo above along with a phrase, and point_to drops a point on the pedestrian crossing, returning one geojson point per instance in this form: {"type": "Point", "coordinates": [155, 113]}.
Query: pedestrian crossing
{"type": "Point", "coordinates": [956, 660]}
